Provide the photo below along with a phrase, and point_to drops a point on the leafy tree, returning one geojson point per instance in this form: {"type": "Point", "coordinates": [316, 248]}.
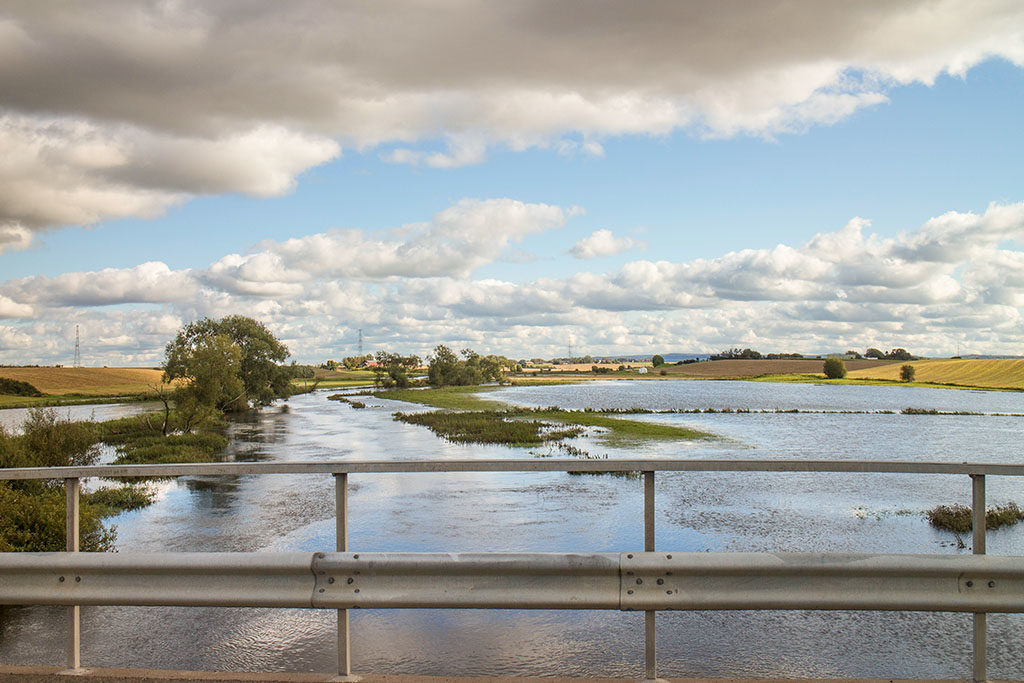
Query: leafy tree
{"type": "Point", "coordinates": [907, 373]}
{"type": "Point", "coordinates": [874, 353]}
{"type": "Point", "coordinates": [657, 360]}
{"type": "Point", "coordinates": [229, 364]}
{"type": "Point", "coordinates": [835, 368]}
{"type": "Point", "coordinates": [899, 354]}
{"type": "Point", "coordinates": [393, 369]}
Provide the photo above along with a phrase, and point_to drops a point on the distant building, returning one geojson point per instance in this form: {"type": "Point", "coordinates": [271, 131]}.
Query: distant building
{"type": "Point", "coordinates": [642, 371]}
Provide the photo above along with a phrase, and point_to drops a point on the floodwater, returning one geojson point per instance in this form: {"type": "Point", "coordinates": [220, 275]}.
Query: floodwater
{"type": "Point", "coordinates": [557, 512]}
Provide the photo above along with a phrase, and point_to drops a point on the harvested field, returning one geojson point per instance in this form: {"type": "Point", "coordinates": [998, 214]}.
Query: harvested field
{"type": "Point", "coordinates": [726, 369]}
{"type": "Point", "coordinates": [87, 381]}
{"type": "Point", "coordinates": [997, 373]}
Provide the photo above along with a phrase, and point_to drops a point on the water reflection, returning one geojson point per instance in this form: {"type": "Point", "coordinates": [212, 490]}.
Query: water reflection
{"type": "Point", "coordinates": [556, 512]}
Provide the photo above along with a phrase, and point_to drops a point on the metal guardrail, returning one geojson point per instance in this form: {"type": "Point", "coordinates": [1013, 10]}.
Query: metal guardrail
{"type": "Point", "coordinates": [646, 581]}
{"type": "Point", "coordinates": [592, 581]}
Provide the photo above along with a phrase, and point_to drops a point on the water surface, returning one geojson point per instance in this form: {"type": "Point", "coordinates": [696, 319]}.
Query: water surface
{"type": "Point", "coordinates": [557, 512]}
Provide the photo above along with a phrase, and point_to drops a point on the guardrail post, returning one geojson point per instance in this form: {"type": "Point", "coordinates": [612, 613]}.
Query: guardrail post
{"type": "Point", "coordinates": [74, 643]}
{"type": "Point", "coordinates": [650, 642]}
{"type": "Point", "coordinates": [978, 524]}
{"type": "Point", "coordinates": [341, 545]}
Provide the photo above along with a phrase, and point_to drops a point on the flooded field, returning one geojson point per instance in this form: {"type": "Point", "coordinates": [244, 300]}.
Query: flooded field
{"type": "Point", "coordinates": [556, 512]}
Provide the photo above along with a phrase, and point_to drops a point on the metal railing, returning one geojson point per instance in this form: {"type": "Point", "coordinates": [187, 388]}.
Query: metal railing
{"type": "Point", "coordinates": [646, 581]}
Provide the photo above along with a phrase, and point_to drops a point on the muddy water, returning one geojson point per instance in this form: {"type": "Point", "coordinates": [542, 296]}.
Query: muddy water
{"type": "Point", "coordinates": [560, 512]}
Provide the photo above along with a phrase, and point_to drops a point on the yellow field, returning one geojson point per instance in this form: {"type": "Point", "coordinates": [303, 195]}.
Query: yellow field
{"type": "Point", "coordinates": [997, 373]}
{"type": "Point", "coordinates": [87, 381]}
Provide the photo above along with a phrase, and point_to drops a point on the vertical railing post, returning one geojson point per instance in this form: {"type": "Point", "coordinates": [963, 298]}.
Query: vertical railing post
{"type": "Point", "coordinates": [72, 488]}
{"type": "Point", "coordinates": [341, 545]}
{"type": "Point", "coordinates": [978, 524]}
{"type": "Point", "coordinates": [650, 642]}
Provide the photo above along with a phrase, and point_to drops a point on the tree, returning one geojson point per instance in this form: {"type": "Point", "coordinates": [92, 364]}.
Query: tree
{"type": "Point", "coordinates": [657, 360]}
{"type": "Point", "coordinates": [393, 369]}
{"type": "Point", "coordinates": [874, 353]}
{"type": "Point", "coordinates": [229, 364]}
{"type": "Point", "coordinates": [907, 373]}
{"type": "Point", "coordinates": [899, 354]}
{"type": "Point", "coordinates": [835, 368]}
{"type": "Point", "coordinates": [445, 369]}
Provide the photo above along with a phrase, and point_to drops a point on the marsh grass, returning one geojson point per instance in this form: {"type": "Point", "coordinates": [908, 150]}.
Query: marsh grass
{"type": "Point", "coordinates": [447, 398]}
{"type": "Point", "coordinates": [487, 427]}
{"type": "Point", "coordinates": [114, 500]}
{"type": "Point", "coordinates": [957, 518]}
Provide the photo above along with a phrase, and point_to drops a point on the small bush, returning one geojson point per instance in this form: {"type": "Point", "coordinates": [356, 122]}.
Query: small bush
{"type": "Point", "coordinates": [907, 373]}
{"type": "Point", "coordinates": [834, 368]}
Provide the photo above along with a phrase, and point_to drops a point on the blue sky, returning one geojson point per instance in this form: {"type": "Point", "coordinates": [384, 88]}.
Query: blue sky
{"type": "Point", "coordinates": [820, 188]}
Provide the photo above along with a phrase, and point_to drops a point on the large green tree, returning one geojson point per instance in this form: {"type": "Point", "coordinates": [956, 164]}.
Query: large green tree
{"type": "Point", "coordinates": [230, 364]}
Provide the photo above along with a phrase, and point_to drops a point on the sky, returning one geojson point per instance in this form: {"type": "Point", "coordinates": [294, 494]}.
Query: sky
{"type": "Point", "coordinates": [523, 178]}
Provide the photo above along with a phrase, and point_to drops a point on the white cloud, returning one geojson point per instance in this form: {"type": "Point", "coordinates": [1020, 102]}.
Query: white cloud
{"type": "Point", "coordinates": [603, 243]}
{"type": "Point", "coordinates": [113, 109]}
{"type": "Point", "coordinates": [151, 282]}
{"type": "Point", "coordinates": [955, 277]}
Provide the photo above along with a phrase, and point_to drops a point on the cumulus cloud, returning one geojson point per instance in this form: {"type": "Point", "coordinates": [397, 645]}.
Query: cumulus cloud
{"type": "Point", "coordinates": [455, 242]}
{"type": "Point", "coordinates": [151, 282]}
{"type": "Point", "coordinates": [603, 243]}
{"type": "Point", "coordinates": [117, 108]}
{"type": "Point", "coordinates": [957, 276]}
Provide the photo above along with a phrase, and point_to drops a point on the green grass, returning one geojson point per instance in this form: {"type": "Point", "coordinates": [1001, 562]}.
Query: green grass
{"type": "Point", "coordinates": [479, 420]}
{"type": "Point", "coordinates": [487, 427]}
{"type": "Point", "coordinates": [114, 500]}
{"type": "Point", "coordinates": [447, 398]}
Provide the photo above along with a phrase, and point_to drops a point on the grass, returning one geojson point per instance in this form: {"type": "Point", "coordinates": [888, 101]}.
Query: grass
{"type": "Point", "coordinates": [114, 500]}
{"type": "Point", "coordinates": [958, 519]}
{"type": "Point", "coordinates": [477, 420]}
{"type": "Point", "coordinates": [621, 431]}
{"type": "Point", "coordinates": [447, 398]}
{"type": "Point", "coordinates": [487, 427]}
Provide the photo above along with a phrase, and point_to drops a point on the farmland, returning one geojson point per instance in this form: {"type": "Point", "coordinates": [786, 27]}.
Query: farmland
{"type": "Point", "coordinates": [997, 373]}
{"type": "Point", "coordinates": [72, 383]}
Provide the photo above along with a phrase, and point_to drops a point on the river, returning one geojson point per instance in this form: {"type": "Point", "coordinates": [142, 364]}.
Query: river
{"type": "Point", "coordinates": [557, 512]}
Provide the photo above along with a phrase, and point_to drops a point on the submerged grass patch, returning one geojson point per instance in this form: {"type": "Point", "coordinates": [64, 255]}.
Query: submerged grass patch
{"type": "Point", "coordinates": [620, 430]}
{"type": "Point", "coordinates": [448, 398]}
{"type": "Point", "coordinates": [487, 426]}
{"type": "Point", "coordinates": [957, 518]}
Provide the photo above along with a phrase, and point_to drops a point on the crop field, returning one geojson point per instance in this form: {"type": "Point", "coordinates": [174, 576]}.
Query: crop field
{"type": "Point", "coordinates": [996, 373]}
{"type": "Point", "coordinates": [726, 369]}
{"type": "Point", "coordinates": [87, 381]}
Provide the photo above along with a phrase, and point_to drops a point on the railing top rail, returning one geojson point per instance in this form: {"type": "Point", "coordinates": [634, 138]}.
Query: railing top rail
{"type": "Point", "coordinates": [511, 465]}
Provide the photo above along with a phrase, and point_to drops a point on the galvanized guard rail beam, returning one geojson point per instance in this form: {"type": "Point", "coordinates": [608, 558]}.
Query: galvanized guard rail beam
{"type": "Point", "coordinates": [535, 465]}
{"type": "Point", "coordinates": [592, 581]}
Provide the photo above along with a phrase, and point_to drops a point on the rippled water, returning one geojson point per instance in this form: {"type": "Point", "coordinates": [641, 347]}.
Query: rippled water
{"type": "Point", "coordinates": [560, 512]}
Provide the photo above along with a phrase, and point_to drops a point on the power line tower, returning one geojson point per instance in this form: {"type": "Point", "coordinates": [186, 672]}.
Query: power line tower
{"type": "Point", "coordinates": [78, 349]}
{"type": "Point", "coordinates": [360, 341]}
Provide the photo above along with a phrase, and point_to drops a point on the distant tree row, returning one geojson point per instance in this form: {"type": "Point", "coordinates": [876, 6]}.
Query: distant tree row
{"type": "Point", "coordinates": [895, 354]}
{"type": "Point", "coordinates": [737, 354]}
